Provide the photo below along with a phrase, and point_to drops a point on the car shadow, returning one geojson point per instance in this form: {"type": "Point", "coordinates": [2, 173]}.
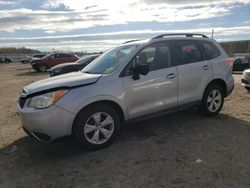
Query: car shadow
{"type": "Point", "coordinates": [176, 124]}
{"type": "Point", "coordinates": [174, 141]}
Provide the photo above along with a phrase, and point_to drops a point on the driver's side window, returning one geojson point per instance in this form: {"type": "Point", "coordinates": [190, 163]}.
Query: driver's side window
{"type": "Point", "coordinates": [146, 56]}
{"type": "Point", "coordinates": [157, 56]}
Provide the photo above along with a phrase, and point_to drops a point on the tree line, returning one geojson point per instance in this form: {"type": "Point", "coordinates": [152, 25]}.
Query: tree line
{"type": "Point", "coordinates": [12, 50]}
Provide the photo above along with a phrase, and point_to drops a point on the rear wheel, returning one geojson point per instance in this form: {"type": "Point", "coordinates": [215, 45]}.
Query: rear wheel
{"type": "Point", "coordinates": [42, 68]}
{"type": "Point", "coordinates": [96, 127]}
{"type": "Point", "coordinates": [212, 101]}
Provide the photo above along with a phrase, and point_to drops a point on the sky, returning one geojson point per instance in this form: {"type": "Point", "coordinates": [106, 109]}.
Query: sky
{"type": "Point", "coordinates": [96, 25]}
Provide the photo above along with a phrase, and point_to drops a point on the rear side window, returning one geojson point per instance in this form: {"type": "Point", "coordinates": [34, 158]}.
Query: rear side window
{"type": "Point", "coordinates": [209, 49]}
{"type": "Point", "coordinates": [63, 55]}
{"type": "Point", "coordinates": [186, 52]}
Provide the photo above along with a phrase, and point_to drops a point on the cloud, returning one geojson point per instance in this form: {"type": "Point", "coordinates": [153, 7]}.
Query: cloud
{"type": "Point", "coordinates": [6, 3]}
{"type": "Point", "coordinates": [67, 15]}
{"type": "Point", "coordinates": [194, 2]}
{"type": "Point", "coordinates": [53, 5]}
{"type": "Point", "coordinates": [60, 16]}
{"type": "Point", "coordinates": [102, 41]}
{"type": "Point", "coordinates": [27, 19]}
{"type": "Point", "coordinates": [50, 31]}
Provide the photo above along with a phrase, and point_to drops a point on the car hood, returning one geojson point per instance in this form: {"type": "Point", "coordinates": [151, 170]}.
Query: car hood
{"type": "Point", "coordinates": [64, 65]}
{"type": "Point", "coordinates": [66, 80]}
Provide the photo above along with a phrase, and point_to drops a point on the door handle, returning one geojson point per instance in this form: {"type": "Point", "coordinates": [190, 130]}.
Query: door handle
{"type": "Point", "coordinates": [205, 67]}
{"type": "Point", "coordinates": [171, 76]}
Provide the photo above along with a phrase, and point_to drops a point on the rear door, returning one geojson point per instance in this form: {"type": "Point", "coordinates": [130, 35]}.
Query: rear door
{"type": "Point", "coordinates": [53, 60]}
{"type": "Point", "coordinates": [194, 71]}
{"type": "Point", "coordinates": [68, 58]}
{"type": "Point", "coordinates": [63, 58]}
{"type": "Point", "coordinates": [155, 91]}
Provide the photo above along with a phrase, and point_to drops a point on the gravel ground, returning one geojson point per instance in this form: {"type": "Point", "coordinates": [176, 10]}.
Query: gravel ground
{"type": "Point", "coordinates": [177, 150]}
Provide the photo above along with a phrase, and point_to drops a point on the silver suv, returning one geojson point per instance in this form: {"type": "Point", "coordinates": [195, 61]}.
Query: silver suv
{"type": "Point", "coordinates": [136, 80]}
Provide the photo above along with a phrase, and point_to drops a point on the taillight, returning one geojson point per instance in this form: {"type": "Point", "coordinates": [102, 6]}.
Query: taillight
{"type": "Point", "coordinates": [229, 62]}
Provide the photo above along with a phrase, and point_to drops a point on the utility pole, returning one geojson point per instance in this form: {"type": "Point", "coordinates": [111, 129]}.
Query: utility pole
{"type": "Point", "coordinates": [212, 33]}
{"type": "Point", "coordinates": [248, 46]}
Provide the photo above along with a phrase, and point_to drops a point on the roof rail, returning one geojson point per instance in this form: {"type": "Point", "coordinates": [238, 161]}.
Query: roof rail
{"type": "Point", "coordinates": [131, 41]}
{"type": "Point", "coordinates": [176, 34]}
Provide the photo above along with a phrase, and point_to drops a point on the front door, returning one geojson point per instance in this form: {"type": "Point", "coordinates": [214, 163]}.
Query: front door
{"type": "Point", "coordinates": [156, 91]}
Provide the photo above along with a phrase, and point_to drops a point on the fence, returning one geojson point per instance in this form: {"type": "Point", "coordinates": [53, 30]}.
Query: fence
{"type": "Point", "coordinates": [236, 47]}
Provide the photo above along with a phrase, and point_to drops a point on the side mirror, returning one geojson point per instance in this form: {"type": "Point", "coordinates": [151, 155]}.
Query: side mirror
{"type": "Point", "coordinates": [142, 69]}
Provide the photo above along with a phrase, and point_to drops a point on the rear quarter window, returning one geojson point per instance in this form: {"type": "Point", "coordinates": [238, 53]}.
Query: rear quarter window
{"type": "Point", "coordinates": [209, 49]}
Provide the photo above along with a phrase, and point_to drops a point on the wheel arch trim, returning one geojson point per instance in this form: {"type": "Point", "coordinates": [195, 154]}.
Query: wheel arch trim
{"type": "Point", "coordinates": [220, 82]}
{"type": "Point", "coordinates": [110, 101]}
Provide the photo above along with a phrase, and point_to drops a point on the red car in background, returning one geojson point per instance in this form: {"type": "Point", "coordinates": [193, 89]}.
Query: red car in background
{"type": "Point", "coordinates": [50, 60]}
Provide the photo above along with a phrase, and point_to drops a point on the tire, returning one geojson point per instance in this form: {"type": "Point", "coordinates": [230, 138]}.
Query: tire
{"type": "Point", "coordinates": [88, 130]}
{"type": "Point", "coordinates": [212, 101]}
{"type": "Point", "coordinates": [42, 68]}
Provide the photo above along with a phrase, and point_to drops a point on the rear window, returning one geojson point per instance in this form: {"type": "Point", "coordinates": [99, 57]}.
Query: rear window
{"type": "Point", "coordinates": [209, 49]}
{"type": "Point", "coordinates": [186, 52]}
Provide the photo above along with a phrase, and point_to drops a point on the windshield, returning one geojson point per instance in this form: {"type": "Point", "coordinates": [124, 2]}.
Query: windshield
{"type": "Point", "coordinates": [110, 60]}
{"type": "Point", "coordinates": [46, 56]}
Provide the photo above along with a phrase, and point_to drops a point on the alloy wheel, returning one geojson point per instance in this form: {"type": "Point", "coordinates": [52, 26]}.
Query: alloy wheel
{"type": "Point", "coordinates": [99, 128]}
{"type": "Point", "coordinates": [43, 68]}
{"type": "Point", "coordinates": [214, 100]}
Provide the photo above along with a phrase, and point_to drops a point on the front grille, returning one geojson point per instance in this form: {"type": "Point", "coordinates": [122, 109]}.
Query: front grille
{"type": "Point", "coordinates": [22, 101]}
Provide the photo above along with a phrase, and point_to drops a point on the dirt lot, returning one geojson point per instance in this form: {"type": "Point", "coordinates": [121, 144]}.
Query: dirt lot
{"type": "Point", "coordinates": [178, 150]}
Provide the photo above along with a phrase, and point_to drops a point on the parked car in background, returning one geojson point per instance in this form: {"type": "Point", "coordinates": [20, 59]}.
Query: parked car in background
{"type": "Point", "coordinates": [8, 60]}
{"type": "Point", "coordinates": [2, 60]}
{"type": "Point", "coordinates": [32, 58]}
{"type": "Point", "coordinates": [51, 60]}
{"type": "Point", "coordinates": [132, 81]}
{"type": "Point", "coordinates": [72, 67]}
{"type": "Point", "coordinates": [240, 64]}
{"type": "Point", "coordinates": [5, 60]}
{"type": "Point", "coordinates": [245, 80]}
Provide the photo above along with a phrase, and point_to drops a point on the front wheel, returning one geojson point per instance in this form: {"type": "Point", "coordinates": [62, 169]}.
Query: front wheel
{"type": "Point", "coordinates": [42, 68]}
{"type": "Point", "coordinates": [212, 101]}
{"type": "Point", "coordinates": [96, 127]}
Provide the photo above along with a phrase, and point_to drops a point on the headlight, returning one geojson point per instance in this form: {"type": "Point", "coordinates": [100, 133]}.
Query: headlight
{"type": "Point", "coordinates": [47, 99]}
